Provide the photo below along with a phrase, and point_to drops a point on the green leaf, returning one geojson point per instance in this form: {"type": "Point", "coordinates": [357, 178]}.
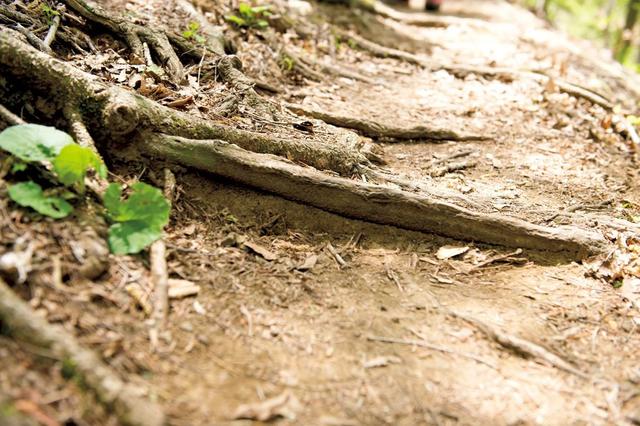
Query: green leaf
{"type": "Point", "coordinates": [262, 23]}
{"type": "Point", "coordinates": [194, 26]}
{"type": "Point", "coordinates": [111, 199]}
{"type": "Point", "coordinates": [18, 166]}
{"type": "Point", "coordinates": [199, 39]}
{"type": "Point", "coordinates": [187, 34]}
{"type": "Point", "coordinates": [236, 20]}
{"type": "Point", "coordinates": [29, 194]}
{"type": "Point", "coordinates": [33, 142]}
{"type": "Point", "coordinates": [132, 237]}
{"type": "Point", "coordinates": [140, 218]}
{"type": "Point", "coordinates": [72, 163]}
{"type": "Point", "coordinates": [261, 9]}
{"type": "Point", "coordinates": [245, 9]}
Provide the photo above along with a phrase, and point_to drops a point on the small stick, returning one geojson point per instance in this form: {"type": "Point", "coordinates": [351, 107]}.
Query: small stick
{"type": "Point", "coordinates": [336, 255]}
{"type": "Point", "coordinates": [10, 117]}
{"type": "Point", "coordinates": [427, 345]}
{"type": "Point", "coordinates": [53, 29]}
{"type": "Point", "coordinates": [159, 273]}
{"type": "Point", "coordinates": [522, 347]}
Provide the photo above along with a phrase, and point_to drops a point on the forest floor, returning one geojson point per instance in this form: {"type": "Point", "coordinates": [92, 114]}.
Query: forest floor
{"type": "Point", "coordinates": [346, 322]}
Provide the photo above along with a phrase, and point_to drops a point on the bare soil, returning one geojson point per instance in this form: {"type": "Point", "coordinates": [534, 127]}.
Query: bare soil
{"type": "Point", "coordinates": [373, 333]}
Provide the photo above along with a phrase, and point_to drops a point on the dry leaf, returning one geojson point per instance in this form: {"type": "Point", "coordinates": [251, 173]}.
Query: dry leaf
{"type": "Point", "coordinates": [447, 252]}
{"type": "Point", "coordinates": [308, 263]}
{"type": "Point", "coordinates": [262, 251]}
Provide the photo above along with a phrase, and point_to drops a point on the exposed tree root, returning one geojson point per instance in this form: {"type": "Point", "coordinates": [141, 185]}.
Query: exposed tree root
{"type": "Point", "coordinates": [370, 202]}
{"type": "Point", "coordinates": [306, 65]}
{"type": "Point", "coordinates": [522, 347]}
{"type": "Point", "coordinates": [381, 51]}
{"type": "Point", "coordinates": [378, 130]}
{"type": "Point", "coordinates": [569, 88]}
{"type": "Point", "coordinates": [116, 113]}
{"type": "Point", "coordinates": [421, 20]}
{"type": "Point", "coordinates": [120, 397]}
{"type": "Point", "coordinates": [134, 35]}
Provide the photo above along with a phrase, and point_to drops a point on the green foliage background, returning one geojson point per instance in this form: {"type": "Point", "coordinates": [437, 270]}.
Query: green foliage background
{"type": "Point", "coordinates": [602, 21]}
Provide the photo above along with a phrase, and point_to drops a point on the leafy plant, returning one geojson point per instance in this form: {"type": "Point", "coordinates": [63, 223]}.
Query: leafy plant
{"type": "Point", "coordinates": [33, 142]}
{"type": "Point", "coordinates": [191, 33]}
{"type": "Point", "coordinates": [139, 219]}
{"type": "Point", "coordinates": [30, 194]}
{"type": "Point", "coordinates": [49, 13]}
{"type": "Point", "coordinates": [250, 16]}
{"type": "Point", "coordinates": [287, 63]}
{"type": "Point", "coordinates": [73, 162]}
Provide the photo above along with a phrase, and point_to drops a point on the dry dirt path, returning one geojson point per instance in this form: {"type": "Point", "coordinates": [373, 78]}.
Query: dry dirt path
{"type": "Point", "coordinates": [362, 324]}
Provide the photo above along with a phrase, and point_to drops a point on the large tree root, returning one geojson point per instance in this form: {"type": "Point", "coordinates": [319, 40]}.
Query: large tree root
{"type": "Point", "coordinates": [378, 130]}
{"type": "Point", "coordinates": [375, 203]}
{"type": "Point", "coordinates": [116, 113]}
{"type": "Point", "coordinates": [120, 397]}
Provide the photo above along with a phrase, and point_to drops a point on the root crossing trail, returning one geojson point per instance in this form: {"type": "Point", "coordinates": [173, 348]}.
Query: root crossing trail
{"type": "Point", "coordinates": [311, 307]}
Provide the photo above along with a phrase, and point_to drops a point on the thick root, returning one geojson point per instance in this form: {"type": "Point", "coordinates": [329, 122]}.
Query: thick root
{"type": "Point", "coordinates": [116, 113]}
{"type": "Point", "coordinates": [370, 202]}
{"type": "Point", "coordinates": [382, 51]}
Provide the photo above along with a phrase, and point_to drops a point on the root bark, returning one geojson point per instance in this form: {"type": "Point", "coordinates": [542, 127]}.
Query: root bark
{"type": "Point", "coordinates": [375, 203]}
{"type": "Point", "coordinates": [379, 130]}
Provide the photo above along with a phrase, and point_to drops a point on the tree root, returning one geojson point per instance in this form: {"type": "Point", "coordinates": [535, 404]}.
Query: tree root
{"type": "Point", "coordinates": [382, 51]}
{"type": "Point", "coordinates": [421, 20]}
{"type": "Point", "coordinates": [115, 113]}
{"type": "Point", "coordinates": [134, 35]}
{"type": "Point", "coordinates": [566, 87]}
{"type": "Point", "coordinates": [375, 203]}
{"type": "Point", "coordinates": [120, 397]}
{"type": "Point", "coordinates": [375, 129]}
{"type": "Point", "coordinates": [521, 347]}
{"type": "Point", "coordinates": [306, 64]}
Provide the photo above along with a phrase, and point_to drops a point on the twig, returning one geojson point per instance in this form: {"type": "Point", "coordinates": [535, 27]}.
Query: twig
{"type": "Point", "coordinates": [336, 255]}
{"type": "Point", "coordinates": [427, 345]}
{"type": "Point", "coordinates": [53, 29]}
{"type": "Point", "coordinates": [391, 274]}
{"type": "Point", "coordinates": [119, 396]}
{"type": "Point", "coordinates": [33, 39]}
{"type": "Point", "coordinates": [9, 117]}
{"type": "Point", "coordinates": [159, 274]}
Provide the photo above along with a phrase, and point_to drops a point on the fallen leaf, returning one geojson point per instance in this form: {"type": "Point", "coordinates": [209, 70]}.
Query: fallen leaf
{"type": "Point", "coordinates": [447, 252]}
{"type": "Point", "coordinates": [308, 263]}
{"type": "Point", "coordinates": [284, 405]}
{"type": "Point", "coordinates": [262, 251]}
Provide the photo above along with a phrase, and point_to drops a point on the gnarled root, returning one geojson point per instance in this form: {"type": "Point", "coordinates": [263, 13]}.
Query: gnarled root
{"type": "Point", "coordinates": [116, 113]}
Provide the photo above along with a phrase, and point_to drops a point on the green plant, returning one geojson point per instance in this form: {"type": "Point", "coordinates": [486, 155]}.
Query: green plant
{"type": "Point", "coordinates": [191, 33]}
{"type": "Point", "coordinates": [49, 13]}
{"type": "Point", "coordinates": [250, 16]}
{"type": "Point", "coordinates": [137, 221]}
{"type": "Point", "coordinates": [287, 63]}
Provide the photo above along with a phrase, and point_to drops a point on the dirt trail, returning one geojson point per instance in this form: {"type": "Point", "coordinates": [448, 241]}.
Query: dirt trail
{"type": "Point", "coordinates": [382, 331]}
